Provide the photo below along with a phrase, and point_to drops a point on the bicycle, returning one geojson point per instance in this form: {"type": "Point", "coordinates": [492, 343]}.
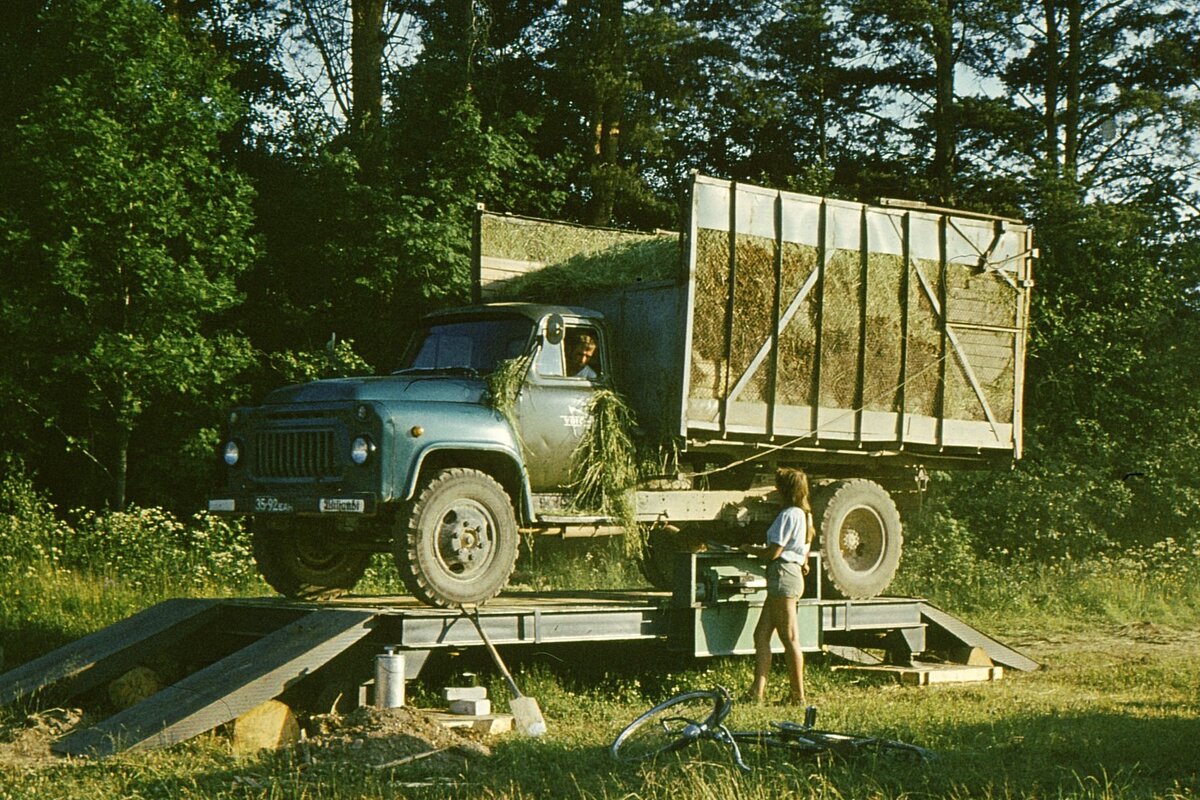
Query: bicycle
{"type": "Point", "coordinates": [698, 716]}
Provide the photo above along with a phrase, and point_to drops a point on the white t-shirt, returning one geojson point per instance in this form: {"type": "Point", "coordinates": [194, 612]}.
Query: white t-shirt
{"type": "Point", "coordinates": [790, 531]}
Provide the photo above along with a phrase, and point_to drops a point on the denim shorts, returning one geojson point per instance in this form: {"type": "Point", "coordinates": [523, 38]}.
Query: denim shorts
{"type": "Point", "coordinates": [784, 579]}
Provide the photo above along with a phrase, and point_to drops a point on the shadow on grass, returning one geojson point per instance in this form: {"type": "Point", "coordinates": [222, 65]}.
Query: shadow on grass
{"type": "Point", "coordinates": [1081, 755]}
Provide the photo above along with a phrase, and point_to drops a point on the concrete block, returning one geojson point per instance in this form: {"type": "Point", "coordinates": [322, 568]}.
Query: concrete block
{"type": "Point", "coordinates": [452, 693]}
{"type": "Point", "coordinates": [474, 708]}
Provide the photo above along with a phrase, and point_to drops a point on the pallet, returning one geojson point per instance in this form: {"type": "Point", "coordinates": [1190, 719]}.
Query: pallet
{"type": "Point", "coordinates": [919, 674]}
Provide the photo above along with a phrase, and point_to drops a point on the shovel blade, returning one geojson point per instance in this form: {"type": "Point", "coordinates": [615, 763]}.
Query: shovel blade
{"type": "Point", "coordinates": [527, 716]}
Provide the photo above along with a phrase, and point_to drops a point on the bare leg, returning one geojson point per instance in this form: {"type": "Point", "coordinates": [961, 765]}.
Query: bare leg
{"type": "Point", "coordinates": [789, 633]}
{"type": "Point", "coordinates": [762, 651]}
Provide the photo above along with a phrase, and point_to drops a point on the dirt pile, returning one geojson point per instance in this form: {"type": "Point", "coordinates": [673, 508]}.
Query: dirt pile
{"type": "Point", "coordinates": [382, 737]}
{"type": "Point", "coordinates": [366, 737]}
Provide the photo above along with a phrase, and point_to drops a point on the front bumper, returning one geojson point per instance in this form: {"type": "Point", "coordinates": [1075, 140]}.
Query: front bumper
{"type": "Point", "coordinates": [358, 504]}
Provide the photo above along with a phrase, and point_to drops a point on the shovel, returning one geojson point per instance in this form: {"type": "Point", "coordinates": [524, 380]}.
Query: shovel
{"type": "Point", "coordinates": [525, 710]}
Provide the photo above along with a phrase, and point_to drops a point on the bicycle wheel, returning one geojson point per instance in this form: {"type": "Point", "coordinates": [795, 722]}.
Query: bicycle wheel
{"type": "Point", "coordinates": [670, 725]}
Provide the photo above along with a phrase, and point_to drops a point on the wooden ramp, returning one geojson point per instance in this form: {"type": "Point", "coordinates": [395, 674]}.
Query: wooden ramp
{"type": "Point", "coordinates": [942, 629]}
{"type": "Point", "coordinates": [225, 690]}
{"type": "Point", "coordinates": [922, 674]}
{"type": "Point", "coordinates": [100, 657]}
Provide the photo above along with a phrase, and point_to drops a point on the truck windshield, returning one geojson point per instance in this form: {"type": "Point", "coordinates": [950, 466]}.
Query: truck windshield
{"type": "Point", "coordinates": [473, 346]}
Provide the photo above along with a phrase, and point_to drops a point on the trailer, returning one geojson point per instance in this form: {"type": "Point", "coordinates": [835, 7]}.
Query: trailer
{"type": "Point", "coordinates": [236, 654]}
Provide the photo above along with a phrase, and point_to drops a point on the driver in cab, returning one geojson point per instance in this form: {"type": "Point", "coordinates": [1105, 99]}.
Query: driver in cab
{"type": "Point", "coordinates": [581, 351]}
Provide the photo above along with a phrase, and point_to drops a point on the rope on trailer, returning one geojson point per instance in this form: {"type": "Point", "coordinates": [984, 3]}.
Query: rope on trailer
{"type": "Point", "coordinates": [774, 448]}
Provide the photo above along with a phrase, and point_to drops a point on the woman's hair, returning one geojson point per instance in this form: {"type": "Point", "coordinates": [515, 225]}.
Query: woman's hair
{"type": "Point", "coordinates": [793, 484]}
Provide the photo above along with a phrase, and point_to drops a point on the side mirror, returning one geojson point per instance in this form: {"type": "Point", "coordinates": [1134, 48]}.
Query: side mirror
{"type": "Point", "coordinates": [556, 329]}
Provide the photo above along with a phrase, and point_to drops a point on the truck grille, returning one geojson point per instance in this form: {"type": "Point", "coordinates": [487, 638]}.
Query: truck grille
{"type": "Point", "coordinates": [295, 454]}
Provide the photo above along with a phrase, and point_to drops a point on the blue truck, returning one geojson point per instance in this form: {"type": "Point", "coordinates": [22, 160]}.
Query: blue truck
{"type": "Point", "coordinates": [866, 344]}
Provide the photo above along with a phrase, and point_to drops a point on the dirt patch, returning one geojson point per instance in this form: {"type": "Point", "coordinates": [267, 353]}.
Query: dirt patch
{"type": "Point", "coordinates": [380, 737]}
{"type": "Point", "coordinates": [27, 745]}
{"type": "Point", "coordinates": [1112, 643]}
{"type": "Point", "coordinates": [1151, 633]}
{"type": "Point", "coordinates": [367, 737]}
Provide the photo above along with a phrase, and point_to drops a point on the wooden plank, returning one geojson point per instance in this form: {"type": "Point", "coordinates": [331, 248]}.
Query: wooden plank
{"type": "Point", "coordinates": [483, 723]}
{"type": "Point", "coordinates": [226, 689]}
{"type": "Point", "coordinates": [101, 656]}
{"type": "Point", "coordinates": [929, 674]}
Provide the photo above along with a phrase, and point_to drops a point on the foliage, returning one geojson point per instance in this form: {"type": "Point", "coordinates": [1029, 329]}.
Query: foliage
{"type": "Point", "coordinates": [504, 387]}
{"type": "Point", "coordinates": [336, 360]}
{"type": "Point", "coordinates": [553, 564]}
{"type": "Point", "coordinates": [604, 466]}
{"type": "Point", "coordinates": [619, 265]}
{"type": "Point", "coordinates": [1110, 395]}
{"type": "Point", "coordinates": [123, 230]}
{"type": "Point", "coordinates": [142, 547]}
{"type": "Point", "coordinates": [29, 529]}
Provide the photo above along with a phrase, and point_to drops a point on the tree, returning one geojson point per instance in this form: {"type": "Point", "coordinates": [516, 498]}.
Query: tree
{"type": "Point", "coordinates": [918, 48]}
{"type": "Point", "coordinates": [124, 233]}
{"type": "Point", "coordinates": [1103, 95]}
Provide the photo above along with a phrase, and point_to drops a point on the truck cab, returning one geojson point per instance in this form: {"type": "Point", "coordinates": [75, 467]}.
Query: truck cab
{"type": "Point", "coordinates": [427, 462]}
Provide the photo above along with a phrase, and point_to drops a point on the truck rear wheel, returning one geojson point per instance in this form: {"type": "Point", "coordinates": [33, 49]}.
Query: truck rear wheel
{"type": "Point", "coordinates": [458, 543]}
{"type": "Point", "coordinates": [665, 545]}
{"type": "Point", "coordinates": [860, 537]}
{"type": "Point", "coordinates": [659, 552]}
{"type": "Point", "coordinates": [301, 563]}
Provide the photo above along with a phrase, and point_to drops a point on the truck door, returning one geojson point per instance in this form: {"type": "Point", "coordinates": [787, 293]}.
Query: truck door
{"type": "Point", "coordinates": [552, 412]}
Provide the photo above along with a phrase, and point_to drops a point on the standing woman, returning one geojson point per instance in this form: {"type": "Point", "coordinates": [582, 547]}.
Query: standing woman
{"type": "Point", "coordinates": [788, 541]}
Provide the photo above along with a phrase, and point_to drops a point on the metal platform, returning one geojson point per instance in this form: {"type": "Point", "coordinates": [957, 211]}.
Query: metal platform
{"type": "Point", "coordinates": [234, 654]}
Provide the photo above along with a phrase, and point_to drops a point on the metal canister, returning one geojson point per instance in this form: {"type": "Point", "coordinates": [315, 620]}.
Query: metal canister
{"type": "Point", "coordinates": [389, 678]}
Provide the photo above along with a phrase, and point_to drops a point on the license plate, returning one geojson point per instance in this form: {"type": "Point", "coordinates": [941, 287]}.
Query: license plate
{"type": "Point", "coordinates": [224, 504]}
{"type": "Point", "coordinates": [272, 505]}
{"type": "Point", "coordinates": [342, 505]}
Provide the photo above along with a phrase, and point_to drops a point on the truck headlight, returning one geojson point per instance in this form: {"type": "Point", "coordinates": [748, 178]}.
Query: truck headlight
{"type": "Point", "coordinates": [361, 449]}
{"type": "Point", "coordinates": [232, 453]}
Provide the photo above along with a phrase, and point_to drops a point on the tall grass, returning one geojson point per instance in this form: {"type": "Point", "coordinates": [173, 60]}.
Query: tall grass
{"type": "Point", "coordinates": [1159, 582]}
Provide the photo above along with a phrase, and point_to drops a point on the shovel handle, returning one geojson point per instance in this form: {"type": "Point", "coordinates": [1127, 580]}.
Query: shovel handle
{"type": "Point", "coordinates": [508, 678]}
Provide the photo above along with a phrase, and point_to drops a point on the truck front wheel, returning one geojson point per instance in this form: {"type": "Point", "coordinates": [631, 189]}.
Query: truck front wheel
{"type": "Point", "coordinates": [302, 563]}
{"type": "Point", "coordinates": [458, 543]}
{"type": "Point", "coordinates": [860, 536]}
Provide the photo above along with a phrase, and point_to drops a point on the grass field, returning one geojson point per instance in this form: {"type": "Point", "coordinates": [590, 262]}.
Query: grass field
{"type": "Point", "coordinates": [1113, 713]}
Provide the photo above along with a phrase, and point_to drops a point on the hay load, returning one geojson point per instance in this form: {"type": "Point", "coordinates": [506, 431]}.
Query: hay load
{"type": "Point", "coordinates": [552, 262]}
{"type": "Point", "coordinates": [777, 314]}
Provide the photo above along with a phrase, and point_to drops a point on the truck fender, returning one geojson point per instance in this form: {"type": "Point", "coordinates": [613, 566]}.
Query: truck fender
{"type": "Point", "coordinates": [502, 461]}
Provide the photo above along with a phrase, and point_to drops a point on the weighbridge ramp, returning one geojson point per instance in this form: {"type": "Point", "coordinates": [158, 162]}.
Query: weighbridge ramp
{"type": "Point", "coordinates": [232, 655]}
